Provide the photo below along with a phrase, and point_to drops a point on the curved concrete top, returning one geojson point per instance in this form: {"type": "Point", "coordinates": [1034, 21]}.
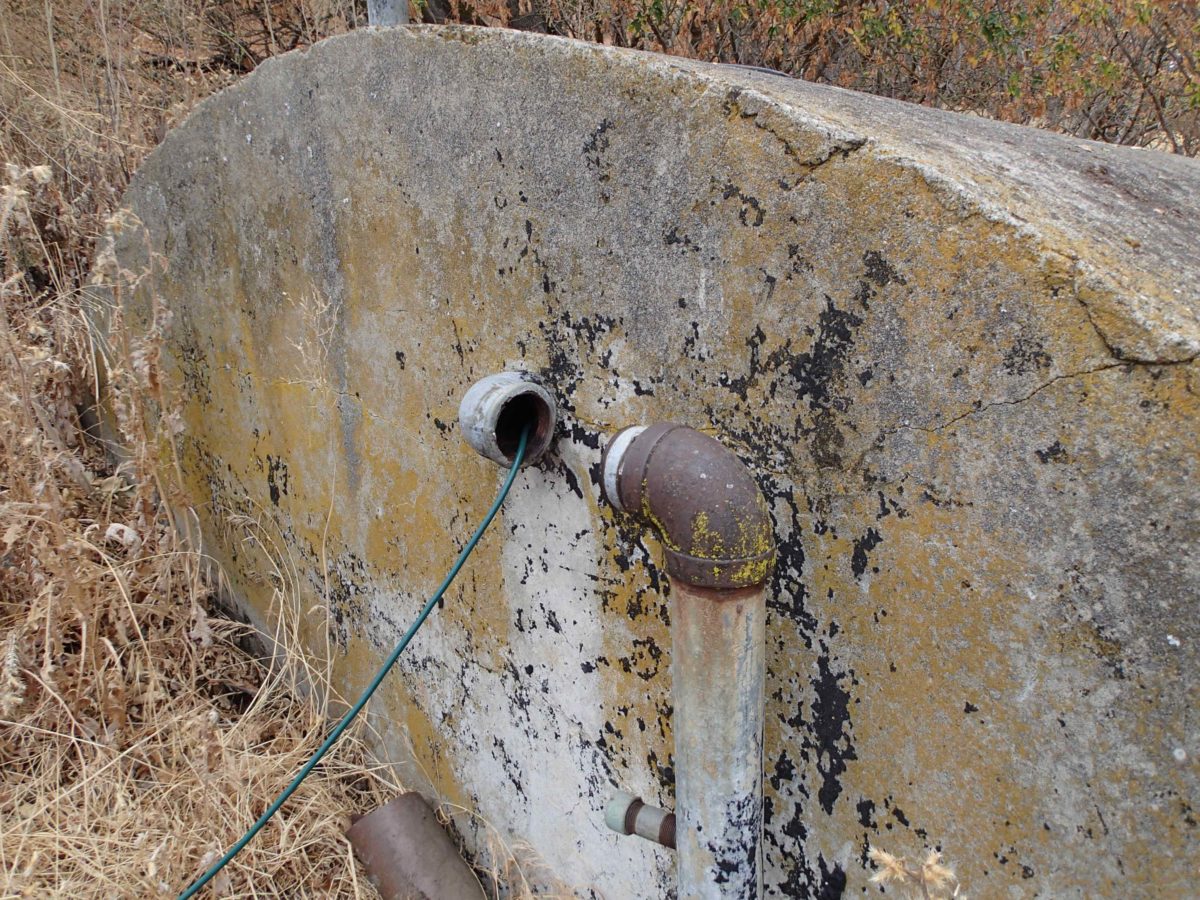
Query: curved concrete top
{"type": "Point", "coordinates": [959, 355]}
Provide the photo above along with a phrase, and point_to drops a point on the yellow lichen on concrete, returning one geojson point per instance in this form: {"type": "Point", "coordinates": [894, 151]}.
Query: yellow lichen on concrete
{"type": "Point", "coordinates": [979, 629]}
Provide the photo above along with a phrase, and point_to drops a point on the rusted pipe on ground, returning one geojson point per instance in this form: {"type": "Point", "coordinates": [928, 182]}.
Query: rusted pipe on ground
{"type": "Point", "coordinates": [408, 854]}
{"type": "Point", "coordinates": [719, 545]}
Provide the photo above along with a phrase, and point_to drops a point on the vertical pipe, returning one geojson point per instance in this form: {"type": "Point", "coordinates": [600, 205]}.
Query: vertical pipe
{"type": "Point", "coordinates": [387, 12]}
{"type": "Point", "coordinates": [720, 549]}
{"type": "Point", "coordinates": [717, 670]}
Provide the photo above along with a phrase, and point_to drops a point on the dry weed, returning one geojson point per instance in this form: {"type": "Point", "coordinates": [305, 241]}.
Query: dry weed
{"type": "Point", "coordinates": [931, 880]}
{"type": "Point", "coordinates": [138, 736]}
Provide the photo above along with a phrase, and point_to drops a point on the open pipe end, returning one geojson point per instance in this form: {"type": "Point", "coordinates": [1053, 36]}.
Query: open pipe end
{"type": "Point", "coordinates": [495, 411]}
{"type": "Point", "coordinates": [702, 500]}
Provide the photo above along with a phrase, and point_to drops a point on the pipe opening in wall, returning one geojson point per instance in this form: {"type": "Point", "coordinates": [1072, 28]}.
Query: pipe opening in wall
{"type": "Point", "coordinates": [526, 409]}
{"type": "Point", "coordinates": [496, 410]}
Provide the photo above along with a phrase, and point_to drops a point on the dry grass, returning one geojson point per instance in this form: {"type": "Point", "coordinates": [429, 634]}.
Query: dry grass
{"type": "Point", "coordinates": [930, 880]}
{"type": "Point", "coordinates": [1119, 71]}
{"type": "Point", "coordinates": [138, 737]}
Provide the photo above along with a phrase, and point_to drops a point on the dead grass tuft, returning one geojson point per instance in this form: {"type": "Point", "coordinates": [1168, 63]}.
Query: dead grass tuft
{"type": "Point", "coordinates": [930, 880]}
{"type": "Point", "coordinates": [138, 736]}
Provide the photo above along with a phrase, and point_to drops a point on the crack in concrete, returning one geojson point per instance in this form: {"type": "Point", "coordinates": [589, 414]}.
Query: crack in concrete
{"type": "Point", "coordinates": [1120, 364]}
{"type": "Point", "coordinates": [834, 144]}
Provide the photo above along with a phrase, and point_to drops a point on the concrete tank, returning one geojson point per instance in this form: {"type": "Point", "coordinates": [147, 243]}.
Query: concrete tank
{"type": "Point", "coordinates": [959, 356]}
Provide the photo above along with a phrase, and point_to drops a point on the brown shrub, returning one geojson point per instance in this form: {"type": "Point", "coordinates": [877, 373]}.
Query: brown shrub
{"type": "Point", "coordinates": [1121, 71]}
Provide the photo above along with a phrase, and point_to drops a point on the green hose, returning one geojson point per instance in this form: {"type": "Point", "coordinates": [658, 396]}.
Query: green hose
{"type": "Point", "coordinates": [375, 682]}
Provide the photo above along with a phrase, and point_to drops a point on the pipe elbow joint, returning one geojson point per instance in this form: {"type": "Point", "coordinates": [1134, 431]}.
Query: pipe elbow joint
{"type": "Point", "coordinates": [700, 498]}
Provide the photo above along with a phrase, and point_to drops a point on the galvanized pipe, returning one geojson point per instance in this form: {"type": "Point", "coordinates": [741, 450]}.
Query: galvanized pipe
{"type": "Point", "coordinates": [384, 13]}
{"type": "Point", "coordinates": [496, 409]}
{"type": "Point", "coordinates": [719, 547]}
{"type": "Point", "coordinates": [407, 853]}
{"type": "Point", "coordinates": [718, 670]}
{"type": "Point", "coordinates": [627, 814]}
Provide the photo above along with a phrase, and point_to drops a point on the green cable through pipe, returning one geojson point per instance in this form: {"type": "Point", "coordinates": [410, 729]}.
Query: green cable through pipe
{"type": "Point", "coordinates": [375, 682]}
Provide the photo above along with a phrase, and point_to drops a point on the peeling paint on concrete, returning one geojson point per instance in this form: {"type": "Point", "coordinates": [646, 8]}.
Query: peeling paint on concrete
{"type": "Point", "coordinates": [970, 402]}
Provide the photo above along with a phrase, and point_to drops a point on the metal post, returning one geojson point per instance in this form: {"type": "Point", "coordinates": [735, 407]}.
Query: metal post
{"type": "Point", "coordinates": [387, 12]}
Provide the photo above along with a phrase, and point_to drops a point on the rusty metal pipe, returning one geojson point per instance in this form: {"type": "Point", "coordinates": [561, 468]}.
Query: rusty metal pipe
{"type": "Point", "coordinates": [627, 814]}
{"type": "Point", "coordinates": [719, 545]}
{"type": "Point", "coordinates": [407, 853]}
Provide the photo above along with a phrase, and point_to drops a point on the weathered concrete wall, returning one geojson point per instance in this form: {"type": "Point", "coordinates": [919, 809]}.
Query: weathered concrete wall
{"type": "Point", "coordinates": [960, 356]}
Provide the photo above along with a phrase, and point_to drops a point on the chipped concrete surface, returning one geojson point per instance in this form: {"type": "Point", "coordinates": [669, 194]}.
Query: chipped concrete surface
{"type": "Point", "coordinates": [960, 356]}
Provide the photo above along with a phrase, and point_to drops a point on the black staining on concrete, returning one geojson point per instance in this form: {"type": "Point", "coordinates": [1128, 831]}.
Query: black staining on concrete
{"type": "Point", "coordinates": [813, 378]}
{"type": "Point", "coordinates": [832, 884]}
{"type": "Point", "coordinates": [785, 771]}
{"type": "Point", "coordinates": [277, 478]}
{"type": "Point", "coordinates": [900, 816]}
{"type": "Point", "coordinates": [193, 362]}
{"type": "Point", "coordinates": [830, 738]}
{"type": "Point", "coordinates": [645, 659]}
{"type": "Point", "coordinates": [597, 143]}
{"type": "Point", "coordinates": [879, 271]}
{"type": "Point", "coordinates": [400, 358]}
{"type": "Point", "coordinates": [585, 437]}
{"type": "Point", "coordinates": [750, 210]}
{"type": "Point", "coordinates": [594, 149]}
{"type": "Point", "coordinates": [815, 372]}
{"type": "Point", "coordinates": [511, 767]}
{"type": "Point", "coordinates": [457, 344]}
{"type": "Point", "coordinates": [969, 707]}
{"type": "Point", "coordinates": [866, 813]}
{"type": "Point", "coordinates": [573, 344]}
{"type": "Point", "coordinates": [664, 772]}
{"type": "Point", "coordinates": [822, 734]}
{"type": "Point", "coordinates": [673, 238]}
{"type": "Point", "coordinates": [552, 462]}
{"type": "Point", "coordinates": [691, 341]}
{"type": "Point", "coordinates": [1025, 356]}
{"type": "Point", "coordinates": [863, 546]}
{"type": "Point", "coordinates": [518, 696]}
{"type": "Point", "coordinates": [1053, 453]}
{"type": "Point", "coordinates": [735, 851]}
{"type": "Point", "coordinates": [740, 384]}
{"type": "Point", "coordinates": [769, 282]}
{"type": "Point", "coordinates": [789, 590]}
{"type": "Point", "coordinates": [347, 603]}
{"type": "Point", "coordinates": [889, 506]}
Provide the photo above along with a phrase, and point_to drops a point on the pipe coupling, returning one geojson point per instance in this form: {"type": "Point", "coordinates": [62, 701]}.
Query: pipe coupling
{"type": "Point", "coordinates": [700, 498]}
{"type": "Point", "coordinates": [627, 814]}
